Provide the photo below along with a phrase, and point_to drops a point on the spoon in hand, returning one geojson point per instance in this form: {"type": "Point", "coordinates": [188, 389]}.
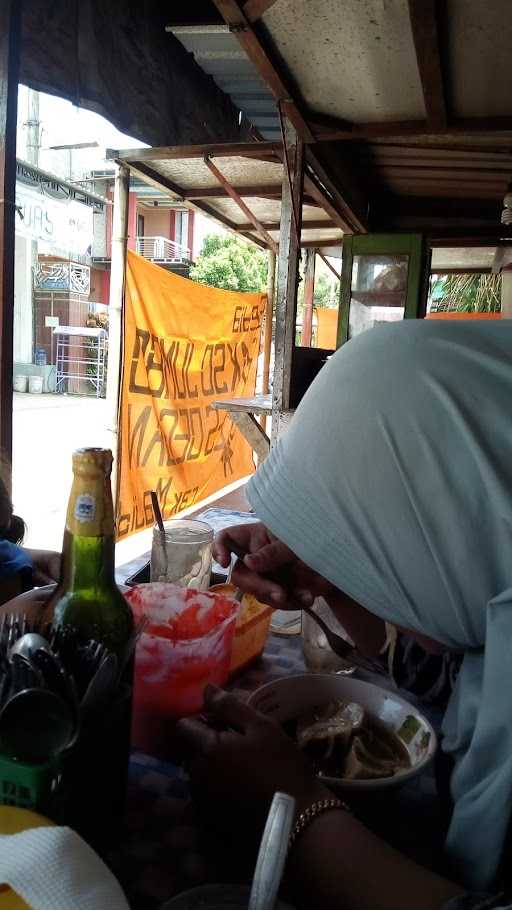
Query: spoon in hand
{"type": "Point", "coordinates": [343, 648]}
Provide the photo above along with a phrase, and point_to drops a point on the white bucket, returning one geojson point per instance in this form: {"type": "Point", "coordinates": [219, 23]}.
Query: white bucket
{"type": "Point", "coordinates": [35, 385]}
{"type": "Point", "coordinates": [19, 383]}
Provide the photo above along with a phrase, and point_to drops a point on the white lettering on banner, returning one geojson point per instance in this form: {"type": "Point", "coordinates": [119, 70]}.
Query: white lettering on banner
{"type": "Point", "coordinates": [62, 223]}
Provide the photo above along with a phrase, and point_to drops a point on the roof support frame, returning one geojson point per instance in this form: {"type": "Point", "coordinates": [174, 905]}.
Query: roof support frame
{"type": "Point", "coordinates": [237, 20]}
{"type": "Point", "coordinates": [287, 273]}
{"type": "Point", "coordinates": [158, 180]}
{"type": "Point", "coordinates": [287, 100]}
{"type": "Point", "coordinates": [10, 26]}
{"type": "Point", "coordinates": [254, 9]}
{"type": "Point", "coordinates": [329, 265]}
{"type": "Point", "coordinates": [424, 23]}
{"type": "Point", "coordinates": [230, 190]}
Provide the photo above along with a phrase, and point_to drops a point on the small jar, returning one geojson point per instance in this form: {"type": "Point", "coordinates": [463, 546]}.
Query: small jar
{"type": "Point", "coordinates": [183, 554]}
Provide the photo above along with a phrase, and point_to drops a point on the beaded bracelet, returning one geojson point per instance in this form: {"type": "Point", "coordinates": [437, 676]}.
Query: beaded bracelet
{"type": "Point", "coordinates": [308, 816]}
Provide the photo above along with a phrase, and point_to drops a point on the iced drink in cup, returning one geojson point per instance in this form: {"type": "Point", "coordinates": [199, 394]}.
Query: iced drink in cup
{"type": "Point", "coordinates": [185, 645]}
{"type": "Point", "coordinates": [183, 554]}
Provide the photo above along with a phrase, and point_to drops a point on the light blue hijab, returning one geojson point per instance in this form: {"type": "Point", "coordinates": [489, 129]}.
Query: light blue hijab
{"type": "Point", "coordinates": [394, 481]}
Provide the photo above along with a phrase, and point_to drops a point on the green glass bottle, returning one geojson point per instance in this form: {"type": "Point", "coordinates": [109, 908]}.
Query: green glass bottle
{"type": "Point", "coordinates": [87, 598]}
{"type": "Point", "coordinates": [88, 603]}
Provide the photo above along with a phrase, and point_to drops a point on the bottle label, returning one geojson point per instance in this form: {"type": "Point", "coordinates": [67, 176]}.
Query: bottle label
{"type": "Point", "coordinates": [90, 510]}
{"type": "Point", "coordinates": [85, 508]}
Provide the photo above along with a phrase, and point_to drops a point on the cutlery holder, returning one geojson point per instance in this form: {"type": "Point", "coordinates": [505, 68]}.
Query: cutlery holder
{"type": "Point", "coordinates": [39, 788]}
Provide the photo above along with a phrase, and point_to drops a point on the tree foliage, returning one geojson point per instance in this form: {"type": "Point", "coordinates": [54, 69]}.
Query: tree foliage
{"type": "Point", "coordinates": [465, 293]}
{"type": "Point", "coordinates": [230, 263]}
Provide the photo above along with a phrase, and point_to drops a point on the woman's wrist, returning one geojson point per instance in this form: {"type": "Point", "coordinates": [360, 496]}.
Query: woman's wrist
{"type": "Point", "coordinates": [313, 794]}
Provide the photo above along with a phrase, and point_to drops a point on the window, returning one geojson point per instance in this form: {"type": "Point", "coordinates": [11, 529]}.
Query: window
{"type": "Point", "coordinates": [182, 228]}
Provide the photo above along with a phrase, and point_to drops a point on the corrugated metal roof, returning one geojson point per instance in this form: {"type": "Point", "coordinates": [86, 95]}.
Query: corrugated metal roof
{"type": "Point", "coordinates": [219, 54]}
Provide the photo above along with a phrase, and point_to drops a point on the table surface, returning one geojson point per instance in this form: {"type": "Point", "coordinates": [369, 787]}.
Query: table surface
{"type": "Point", "coordinates": [258, 404]}
{"type": "Point", "coordinates": [163, 850]}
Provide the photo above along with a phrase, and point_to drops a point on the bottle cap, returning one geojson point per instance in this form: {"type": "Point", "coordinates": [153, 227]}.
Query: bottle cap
{"type": "Point", "coordinates": [93, 459]}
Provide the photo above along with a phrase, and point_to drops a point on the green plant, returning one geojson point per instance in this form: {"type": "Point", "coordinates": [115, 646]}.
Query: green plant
{"type": "Point", "coordinates": [465, 293]}
{"type": "Point", "coordinates": [230, 263]}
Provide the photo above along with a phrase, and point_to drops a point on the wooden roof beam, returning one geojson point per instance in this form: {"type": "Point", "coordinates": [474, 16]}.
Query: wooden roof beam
{"type": "Point", "coordinates": [329, 129]}
{"type": "Point", "coordinates": [424, 23]}
{"type": "Point", "coordinates": [318, 193]}
{"type": "Point", "coordinates": [289, 104]}
{"type": "Point", "coordinates": [230, 190]}
{"type": "Point", "coordinates": [213, 149]}
{"type": "Point", "coordinates": [329, 266]}
{"type": "Point", "coordinates": [264, 191]}
{"type": "Point", "coordinates": [336, 199]}
{"type": "Point", "coordinates": [255, 9]}
{"type": "Point", "coordinates": [157, 180]}
{"type": "Point", "coordinates": [237, 20]}
{"type": "Point", "coordinates": [306, 225]}
{"type": "Point", "coordinates": [322, 244]}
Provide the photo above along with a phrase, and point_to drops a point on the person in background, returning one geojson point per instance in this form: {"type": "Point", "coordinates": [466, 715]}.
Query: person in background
{"type": "Point", "coordinates": [391, 496]}
{"type": "Point", "coordinates": [21, 569]}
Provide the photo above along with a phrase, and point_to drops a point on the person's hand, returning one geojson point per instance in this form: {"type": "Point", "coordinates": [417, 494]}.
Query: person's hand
{"type": "Point", "coordinates": [267, 568]}
{"type": "Point", "coordinates": [46, 566]}
{"type": "Point", "coordinates": [240, 759]}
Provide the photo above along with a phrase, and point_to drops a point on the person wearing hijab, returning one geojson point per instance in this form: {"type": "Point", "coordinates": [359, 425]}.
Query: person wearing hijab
{"type": "Point", "coordinates": [391, 495]}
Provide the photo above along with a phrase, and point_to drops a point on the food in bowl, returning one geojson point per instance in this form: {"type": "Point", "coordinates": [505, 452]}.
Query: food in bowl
{"type": "Point", "coordinates": [292, 697]}
{"type": "Point", "coordinates": [342, 740]}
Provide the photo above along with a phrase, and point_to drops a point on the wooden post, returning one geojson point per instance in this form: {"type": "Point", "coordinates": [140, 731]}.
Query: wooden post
{"type": "Point", "coordinates": [115, 313]}
{"type": "Point", "coordinates": [287, 271]}
{"type": "Point", "coordinates": [309, 290]}
{"type": "Point", "coordinates": [506, 293]}
{"type": "Point", "coordinates": [9, 68]}
{"type": "Point", "coordinates": [269, 318]}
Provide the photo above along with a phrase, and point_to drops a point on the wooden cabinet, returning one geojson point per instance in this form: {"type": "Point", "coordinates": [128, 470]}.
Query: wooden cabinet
{"type": "Point", "coordinates": [384, 279]}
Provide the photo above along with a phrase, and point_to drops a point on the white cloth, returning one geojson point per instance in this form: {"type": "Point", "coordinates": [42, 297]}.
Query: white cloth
{"type": "Point", "coordinates": [394, 481]}
{"type": "Point", "coordinates": [54, 869]}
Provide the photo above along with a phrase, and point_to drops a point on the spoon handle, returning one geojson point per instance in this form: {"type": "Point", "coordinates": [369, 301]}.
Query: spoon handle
{"type": "Point", "coordinates": [342, 648]}
{"type": "Point", "coordinates": [272, 853]}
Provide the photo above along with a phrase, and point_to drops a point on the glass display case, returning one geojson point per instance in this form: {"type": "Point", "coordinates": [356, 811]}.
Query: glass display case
{"type": "Point", "coordinates": [383, 281]}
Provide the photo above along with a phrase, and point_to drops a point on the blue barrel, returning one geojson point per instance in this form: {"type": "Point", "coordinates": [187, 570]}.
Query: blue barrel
{"type": "Point", "coordinates": [40, 357]}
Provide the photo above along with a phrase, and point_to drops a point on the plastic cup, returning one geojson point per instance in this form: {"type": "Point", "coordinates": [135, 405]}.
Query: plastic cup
{"type": "Point", "coordinates": [185, 646]}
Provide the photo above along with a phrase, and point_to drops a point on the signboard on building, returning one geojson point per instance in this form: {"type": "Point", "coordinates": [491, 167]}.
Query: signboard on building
{"type": "Point", "coordinates": [61, 226]}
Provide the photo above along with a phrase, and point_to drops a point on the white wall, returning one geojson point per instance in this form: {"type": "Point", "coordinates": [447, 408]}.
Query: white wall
{"type": "Point", "coordinates": [22, 300]}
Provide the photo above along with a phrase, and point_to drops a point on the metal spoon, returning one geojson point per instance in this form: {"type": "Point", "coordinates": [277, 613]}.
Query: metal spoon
{"type": "Point", "coordinates": [28, 644]}
{"type": "Point", "coordinates": [343, 648]}
{"type": "Point", "coordinates": [35, 725]}
{"type": "Point", "coordinates": [52, 671]}
{"type": "Point", "coordinates": [272, 853]}
{"type": "Point", "coordinates": [102, 683]}
{"type": "Point", "coordinates": [24, 675]}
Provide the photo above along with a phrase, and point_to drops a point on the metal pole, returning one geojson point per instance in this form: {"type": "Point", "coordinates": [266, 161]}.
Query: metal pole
{"type": "Point", "coordinates": [10, 21]}
{"type": "Point", "coordinates": [309, 290]}
{"type": "Point", "coordinates": [287, 275]}
{"type": "Point", "coordinates": [115, 312]}
{"type": "Point", "coordinates": [269, 316]}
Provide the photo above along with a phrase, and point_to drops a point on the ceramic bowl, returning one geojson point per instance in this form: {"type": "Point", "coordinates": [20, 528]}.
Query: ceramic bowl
{"type": "Point", "coordinates": [286, 699]}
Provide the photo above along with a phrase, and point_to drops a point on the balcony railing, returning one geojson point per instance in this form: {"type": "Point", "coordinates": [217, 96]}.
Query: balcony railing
{"type": "Point", "coordinates": [161, 249]}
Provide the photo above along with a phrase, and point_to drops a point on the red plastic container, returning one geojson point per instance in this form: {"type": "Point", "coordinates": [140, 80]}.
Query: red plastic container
{"type": "Point", "coordinates": [186, 645]}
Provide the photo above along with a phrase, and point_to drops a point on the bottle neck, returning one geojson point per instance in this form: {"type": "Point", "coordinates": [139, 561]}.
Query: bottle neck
{"type": "Point", "coordinates": [88, 549]}
{"type": "Point", "coordinates": [88, 562]}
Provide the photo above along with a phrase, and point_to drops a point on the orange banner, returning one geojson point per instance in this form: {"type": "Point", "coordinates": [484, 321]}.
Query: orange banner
{"type": "Point", "coordinates": [185, 346]}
